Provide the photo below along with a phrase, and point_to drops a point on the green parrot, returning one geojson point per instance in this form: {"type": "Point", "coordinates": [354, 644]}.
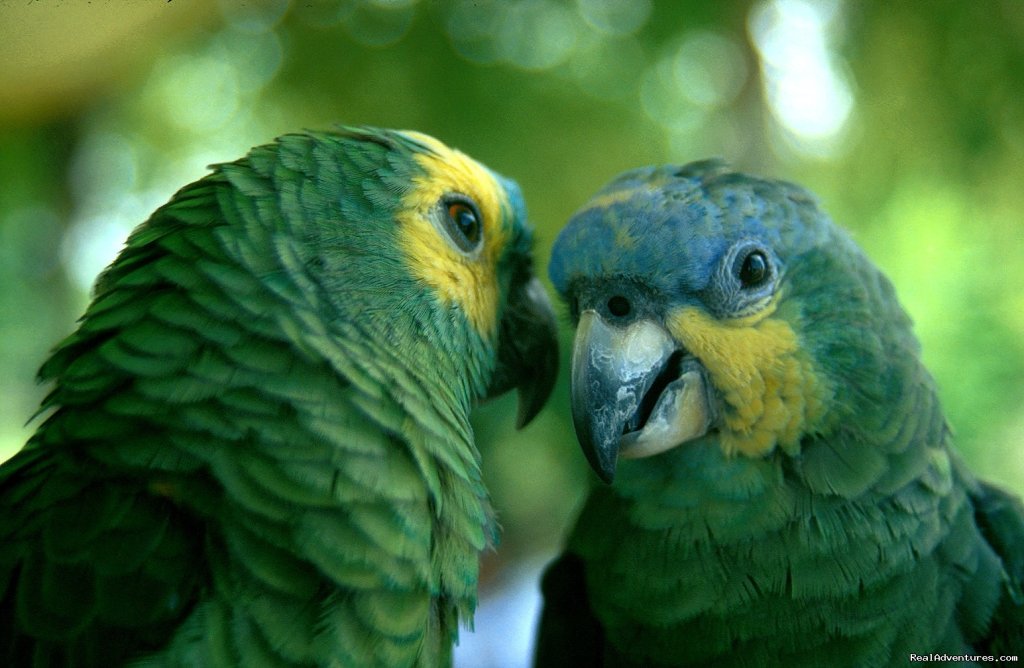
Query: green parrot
{"type": "Point", "coordinates": [257, 448]}
{"type": "Point", "coordinates": [785, 492]}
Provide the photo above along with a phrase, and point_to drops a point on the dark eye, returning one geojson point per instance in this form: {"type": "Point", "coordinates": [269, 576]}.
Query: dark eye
{"type": "Point", "coordinates": [754, 271]}
{"type": "Point", "coordinates": [619, 306]}
{"type": "Point", "coordinates": [463, 223]}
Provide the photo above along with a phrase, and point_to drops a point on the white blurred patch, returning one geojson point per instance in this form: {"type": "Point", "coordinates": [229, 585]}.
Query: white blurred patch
{"type": "Point", "coordinates": [505, 621]}
{"type": "Point", "coordinates": [807, 88]}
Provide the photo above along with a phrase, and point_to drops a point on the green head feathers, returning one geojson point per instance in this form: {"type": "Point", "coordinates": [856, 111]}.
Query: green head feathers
{"type": "Point", "coordinates": [391, 235]}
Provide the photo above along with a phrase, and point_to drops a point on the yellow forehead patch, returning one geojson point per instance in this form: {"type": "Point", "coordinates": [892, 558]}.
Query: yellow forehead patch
{"type": "Point", "coordinates": [771, 391]}
{"type": "Point", "coordinates": [467, 282]}
{"type": "Point", "coordinates": [607, 199]}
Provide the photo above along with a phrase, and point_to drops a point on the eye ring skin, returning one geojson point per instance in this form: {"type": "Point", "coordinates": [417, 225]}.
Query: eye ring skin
{"type": "Point", "coordinates": [727, 296]}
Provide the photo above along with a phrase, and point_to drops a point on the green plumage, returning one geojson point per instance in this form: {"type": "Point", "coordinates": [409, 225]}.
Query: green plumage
{"type": "Point", "coordinates": [257, 448]}
{"type": "Point", "coordinates": [864, 543]}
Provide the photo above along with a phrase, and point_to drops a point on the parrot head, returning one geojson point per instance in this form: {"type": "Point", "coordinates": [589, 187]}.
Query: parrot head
{"type": "Point", "coordinates": [421, 249]}
{"type": "Point", "coordinates": [466, 237]}
{"type": "Point", "coordinates": [463, 233]}
{"type": "Point", "coordinates": [713, 304]}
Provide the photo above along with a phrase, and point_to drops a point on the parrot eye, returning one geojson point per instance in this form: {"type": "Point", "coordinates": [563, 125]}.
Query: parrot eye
{"type": "Point", "coordinates": [754, 270]}
{"type": "Point", "coordinates": [462, 222]}
{"type": "Point", "coordinates": [746, 279]}
{"type": "Point", "coordinates": [619, 306]}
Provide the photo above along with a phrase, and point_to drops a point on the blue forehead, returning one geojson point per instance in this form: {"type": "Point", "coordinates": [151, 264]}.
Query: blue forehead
{"type": "Point", "coordinates": [515, 197]}
{"type": "Point", "coordinates": [669, 226]}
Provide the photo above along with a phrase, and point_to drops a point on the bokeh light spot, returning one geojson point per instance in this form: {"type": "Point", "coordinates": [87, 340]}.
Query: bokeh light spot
{"type": "Point", "coordinates": [536, 34]}
{"type": "Point", "coordinates": [605, 67]}
{"type": "Point", "coordinates": [615, 17]}
{"type": "Point", "coordinates": [379, 23]}
{"type": "Point", "coordinates": [256, 58]}
{"type": "Point", "coordinates": [92, 242]}
{"type": "Point", "coordinates": [253, 17]}
{"type": "Point", "coordinates": [201, 91]}
{"type": "Point", "coordinates": [709, 69]}
{"type": "Point", "coordinates": [806, 88]}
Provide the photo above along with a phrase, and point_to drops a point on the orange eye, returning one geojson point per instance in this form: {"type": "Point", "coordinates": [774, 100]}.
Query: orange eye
{"type": "Point", "coordinates": [462, 222]}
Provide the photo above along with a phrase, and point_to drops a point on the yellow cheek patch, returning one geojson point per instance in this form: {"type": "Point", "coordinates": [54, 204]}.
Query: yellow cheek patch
{"type": "Point", "coordinates": [467, 282]}
{"type": "Point", "coordinates": [771, 391]}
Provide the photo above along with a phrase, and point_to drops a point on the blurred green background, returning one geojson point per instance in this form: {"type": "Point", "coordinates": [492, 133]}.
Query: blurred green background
{"type": "Point", "coordinates": [907, 119]}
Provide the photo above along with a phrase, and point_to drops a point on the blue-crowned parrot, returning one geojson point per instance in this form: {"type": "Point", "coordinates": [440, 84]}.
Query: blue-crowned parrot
{"type": "Point", "coordinates": [783, 487]}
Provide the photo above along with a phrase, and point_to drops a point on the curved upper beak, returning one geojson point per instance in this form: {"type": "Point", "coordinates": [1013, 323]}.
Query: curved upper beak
{"type": "Point", "coordinates": [634, 392]}
{"type": "Point", "coordinates": [527, 350]}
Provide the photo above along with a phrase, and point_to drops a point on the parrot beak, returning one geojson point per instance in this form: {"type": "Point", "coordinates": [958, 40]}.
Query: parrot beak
{"type": "Point", "coordinates": [527, 350]}
{"type": "Point", "coordinates": [635, 393]}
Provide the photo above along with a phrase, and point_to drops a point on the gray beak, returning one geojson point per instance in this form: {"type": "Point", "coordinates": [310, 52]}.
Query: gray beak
{"type": "Point", "coordinates": [527, 350]}
{"type": "Point", "coordinates": [634, 392]}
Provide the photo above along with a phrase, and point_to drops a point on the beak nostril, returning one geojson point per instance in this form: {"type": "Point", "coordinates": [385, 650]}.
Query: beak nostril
{"type": "Point", "coordinates": [619, 306]}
